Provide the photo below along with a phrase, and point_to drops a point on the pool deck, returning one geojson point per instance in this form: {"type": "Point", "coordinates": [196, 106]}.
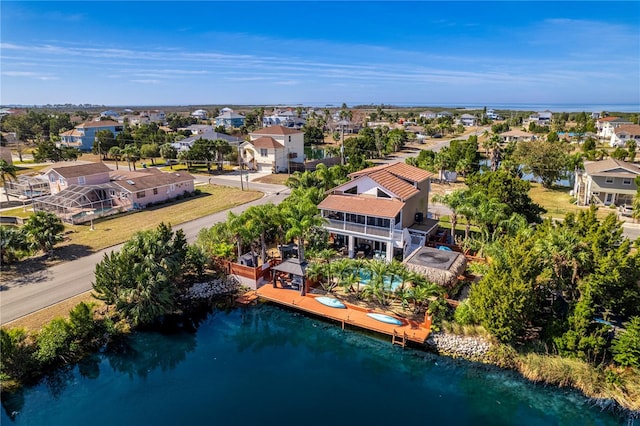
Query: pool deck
{"type": "Point", "coordinates": [353, 315]}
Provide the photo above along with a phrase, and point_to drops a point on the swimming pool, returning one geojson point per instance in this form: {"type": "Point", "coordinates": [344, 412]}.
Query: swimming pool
{"type": "Point", "coordinates": [365, 279]}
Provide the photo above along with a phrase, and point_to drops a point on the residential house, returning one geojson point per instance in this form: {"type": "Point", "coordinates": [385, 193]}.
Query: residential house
{"type": "Point", "coordinates": [199, 114]}
{"type": "Point", "coordinates": [84, 135]}
{"type": "Point", "coordinates": [516, 135]}
{"type": "Point", "coordinates": [428, 115]}
{"type": "Point", "coordinates": [275, 148]}
{"type": "Point", "coordinates": [607, 126]}
{"type": "Point", "coordinates": [467, 120]}
{"type": "Point", "coordinates": [381, 210]}
{"type": "Point", "coordinates": [149, 186]}
{"type": "Point", "coordinates": [62, 176]}
{"type": "Point", "coordinates": [622, 134]}
{"type": "Point", "coordinates": [444, 114]}
{"type": "Point", "coordinates": [542, 118]}
{"type": "Point", "coordinates": [110, 114]}
{"type": "Point", "coordinates": [84, 192]}
{"type": "Point", "coordinates": [286, 118]}
{"type": "Point", "coordinates": [230, 119]}
{"type": "Point", "coordinates": [491, 114]}
{"type": "Point", "coordinates": [197, 129]}
{"type": "Point", "coordinates": [606, 182]}
{"type": "Point", "coordinates": [186, 144]}
{"type": "Point", "coordinates": [154, 116]}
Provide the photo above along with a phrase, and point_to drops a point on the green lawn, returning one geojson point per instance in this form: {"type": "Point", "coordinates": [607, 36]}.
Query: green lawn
{"type": "Point", "coordinates": [558, 202]}
{"type": "Point", "coordinates": [117, 229]}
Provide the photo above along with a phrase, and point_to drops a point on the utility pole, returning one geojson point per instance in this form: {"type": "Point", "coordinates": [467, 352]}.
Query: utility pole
{"type": "Point", "coordinates": [240, 168]}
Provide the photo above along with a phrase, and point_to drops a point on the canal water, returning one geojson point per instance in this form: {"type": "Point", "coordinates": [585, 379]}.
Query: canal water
{"type": "Point", "coordinates": [263, 365]}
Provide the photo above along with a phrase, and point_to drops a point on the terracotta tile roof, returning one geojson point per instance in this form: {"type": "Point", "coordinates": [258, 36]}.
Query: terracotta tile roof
{"type": "Point", "coordinates": [73, 132]}
{"type": "Point", "coordinates": [77, 170]}
{"type": "Point", "coordinates": [604, 119]}
{"type": "Point", "coordinates": [147, 179]}
{"type": "Point", "coordinates": [276, 130]}
{"type": "Point", "coordinates": [380, 207]}
{"type": "Point", "coordinates": [603, 167]}
{"type": "Point", "coordinates": [401, 170]}
{"type": "Point", "coordinates": [632, 129]}
{"type": "Point", "coordinates": [394, 184]}
{"type": "Point", "coordinates": [105, 123]}
{"type": "Point", "coordinates": [266, 142]}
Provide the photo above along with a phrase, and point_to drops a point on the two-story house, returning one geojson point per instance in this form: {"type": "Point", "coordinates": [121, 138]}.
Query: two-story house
{"type": "Point", "coordinates": [275, 148]}
{"type": "Point", "coordinates": [606, 127]}
{"type": "Point", "coordinates": [621, 135]}
{"type": "Point", "coordinates": [83, 135]}
{"type": "Point", "coordinates": [382, 211]}
{"type": "Point", "coordinates": [606, 182]}
{"type": "Point", "coordinates": [230, 119]}
{"type": "Point", "coordinates": [428, 115]}
{"type": "Point", "coordinates": [187, 143]}
{"type": "Point", "coordinates": [467, 120]}
{"type": "Point", "coordinates": [61, 177]}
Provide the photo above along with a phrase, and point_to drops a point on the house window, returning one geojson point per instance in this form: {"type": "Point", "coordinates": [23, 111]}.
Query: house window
{"type": "Point", "coordinates": [81, 180]}
{"type": "Point", "coordinates": [140, 194]}
{"type": "Point", "coordinates": [626, 181]}
{"type": "Point", "coordinates": [608, 180]}
{"type": "Point", "coordinates": [263, 152]}
{"type": "Point", "coordinates": [352, 190]}
{"type": "Point", "coordinates": [382, 194]}
{"type": "Point", "coordinates": [52, 178]}
{"type": "Point", "coordinates": [155, 191]}
{"type": "Point", "coordinates": [61, 180]}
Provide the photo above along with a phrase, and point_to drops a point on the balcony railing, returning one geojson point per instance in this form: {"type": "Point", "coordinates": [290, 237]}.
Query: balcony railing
{"type": "Point", "coordinates": [363, 229]}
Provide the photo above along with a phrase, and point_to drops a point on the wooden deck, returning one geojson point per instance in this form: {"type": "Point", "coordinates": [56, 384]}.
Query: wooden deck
{"type": "Point", "coordinates": [409, 331]}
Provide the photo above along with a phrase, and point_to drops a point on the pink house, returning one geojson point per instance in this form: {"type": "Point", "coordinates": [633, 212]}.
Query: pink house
{"type": "Point", "coordinates": [61, 177]}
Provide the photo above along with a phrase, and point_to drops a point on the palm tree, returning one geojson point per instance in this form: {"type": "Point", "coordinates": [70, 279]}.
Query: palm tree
{"type": "Point", "coordinates": [261, 219]}
{"type": "Point", "coordinates": [221, 148]}
{"type": "Point", "coordinates": [300, 215]}
{"type": "Point", "coordinates": [131, 153]}
{"type": "Point", "coordinates": [7, 172]}
{"type": "Point", "coordinates": [453, 200]}
{"type": "Point", "coordinates": [116, 153]}
{"type": "Point", "coordinates": [43, 230]}
{"type": "Point", "coordinates": [236, 224]}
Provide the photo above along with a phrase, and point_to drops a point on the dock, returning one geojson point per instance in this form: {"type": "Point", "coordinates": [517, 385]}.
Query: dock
{"type": "Point", "coordinates": [409, 331]}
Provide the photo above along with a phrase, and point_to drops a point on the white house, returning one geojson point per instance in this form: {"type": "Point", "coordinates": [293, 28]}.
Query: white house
{"type": "Point", "coordinates": [274, 148]}
{"type": "Point", "coordinates": [154, 116]}
{"type": "Point", "coordinates": [428, 115]}
{"type": "Point", "coordinates": [199, 114]}
{"type": "Point", "coordinates": [467, 120]}
{"type": "Point", "coordinates": [606, 126]}
{"type": "Point", "coordinates": [622, 134]}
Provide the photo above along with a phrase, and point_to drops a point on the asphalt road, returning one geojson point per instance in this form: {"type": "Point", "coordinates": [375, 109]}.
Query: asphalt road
{"type": "Point", "coordinates": [34, 291]}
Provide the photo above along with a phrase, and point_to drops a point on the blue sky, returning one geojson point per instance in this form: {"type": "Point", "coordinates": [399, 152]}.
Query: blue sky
{"type": "Point", "coordinates": [272, 52]}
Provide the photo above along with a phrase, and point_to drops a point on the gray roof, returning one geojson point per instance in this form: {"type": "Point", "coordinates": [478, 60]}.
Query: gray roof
{"type": "Point", "coordinates": [612, 167]}
{"type": "Point", "coordinates": [292, 266]}
{"type": "Point", "coordinates": [211, 135]}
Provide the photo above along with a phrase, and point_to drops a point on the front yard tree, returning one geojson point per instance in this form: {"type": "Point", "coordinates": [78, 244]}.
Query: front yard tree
{"type": "Point", "coordinates": [221, 148]}
{"type": "Point", "coordinates": [141, 279]}
{"type": "Point", "coordinates": [103, 142]}
{"type": "Point", "coordinates": [116, 153]}
{"type": "Point", "coordinates": [168, 152]}
{"type": "Point", "coordinates": [546, 160]}
{"type": "Point", "coordinates": [150, 151]}
{"type": "Point", "coordinates": [313, 135]}
{"type": "Point", "coordinates": [43, 231]}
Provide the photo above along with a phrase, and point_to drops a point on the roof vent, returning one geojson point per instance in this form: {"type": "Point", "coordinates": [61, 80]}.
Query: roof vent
{"type": "Point", "coordinates": [130, 182]}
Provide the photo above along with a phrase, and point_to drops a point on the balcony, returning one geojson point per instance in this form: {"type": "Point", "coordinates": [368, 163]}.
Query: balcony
{"type": "Point", "coordinates": [340, 225]}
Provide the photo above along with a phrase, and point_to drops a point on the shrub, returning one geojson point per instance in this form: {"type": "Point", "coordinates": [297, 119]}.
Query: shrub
{"type": "Point", "coordinates": [626, 345]}
{"type": "Point", "coordinates": [53, 341]}
{"type": "Point", "coordinates": [464, 314]}
{"type": "Point", "coordinates": [17, 354]}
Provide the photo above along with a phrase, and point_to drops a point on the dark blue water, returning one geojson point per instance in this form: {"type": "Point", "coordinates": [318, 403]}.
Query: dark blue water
{"type": "Point", "coordinates": [263, 365]}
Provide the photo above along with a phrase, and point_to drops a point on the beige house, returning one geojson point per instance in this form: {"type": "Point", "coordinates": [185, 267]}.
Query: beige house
{"type": "Point", "coordinates": [622, 134]}
{"type": "Point", "coordinates": [275, 148]}
{"type": "Point", "coordinates": [517, 136]}
{"type": "Point", "coordinates": [607, 182]}
{"type": "Point", "coordinates": [382, 211]}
